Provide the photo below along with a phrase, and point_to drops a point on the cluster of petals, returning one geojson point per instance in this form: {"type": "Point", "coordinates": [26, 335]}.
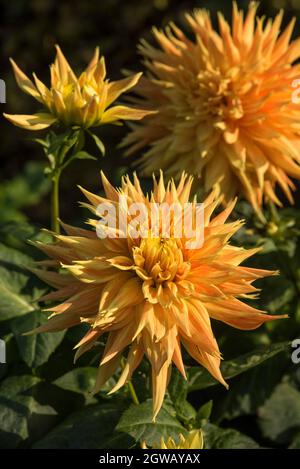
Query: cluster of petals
{"type": "Point", "coordinates": [150, 296]}
{"type": "Point", "coordinates": [226, 105]}
{"type": "Point", "coordinates": [84, 101]}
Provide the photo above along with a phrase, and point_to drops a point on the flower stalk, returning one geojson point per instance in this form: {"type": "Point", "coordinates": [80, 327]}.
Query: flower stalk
{"type": "Point", "coordinates": [55, 203]}
{"type": "Point", "coordinates": [130, 386]}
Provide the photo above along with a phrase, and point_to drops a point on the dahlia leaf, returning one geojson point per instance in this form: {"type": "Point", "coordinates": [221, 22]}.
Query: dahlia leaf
{"type": "Point", "coordinates": [93, 427]}
{"type": "Point", "coordinates": [279, 417]}
{"type": "Point", "coordinates": [22, 418]}
{"type": "Point", "coordinates": [220, 438]}
{"type": "Point", "coordinates": [80, 380]}
{"type": "Point", "coordinates": [83, 155]}
{"type": "Point", "coordinates": [178, 389]}
{"type": "Point", "coordinates": [35, 349]}
{"type": "Point", "coordinates": [137, 421]}
{"type": "Point", "coordinates": [23, 191]}
{"type": "Point", "coordinates": [249, 390]}
{"type": "Point", "coordinates": [199, 378]}
{"type": "Point", "coordinates": [18, 290]}
{"type": "Point", "coordinates": [98, 142]}
{"type": "Point", "coordinates": [204, 413]}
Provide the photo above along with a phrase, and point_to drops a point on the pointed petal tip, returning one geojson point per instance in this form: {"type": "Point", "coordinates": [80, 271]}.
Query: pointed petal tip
{"type": "Point", "coordinates": [13, 63]}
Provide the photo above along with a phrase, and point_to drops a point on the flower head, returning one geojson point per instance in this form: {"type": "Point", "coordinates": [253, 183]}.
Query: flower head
{"type": "Point", "coordinates": [194, 440]}
{"type": "Point", "coordinates": [151, 295]}
{"type": "Point", "coordinates": [82, 101]}
{"type": "Point", "coordinates": [225, 107]}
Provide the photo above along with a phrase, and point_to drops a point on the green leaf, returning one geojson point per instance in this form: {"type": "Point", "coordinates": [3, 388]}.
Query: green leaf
{"type": "Point", "coordinates": [199, 378]}
{"type": "Point", "coordinates": [19, 289]}
{"type": "Point", "coordinates": [186, 412]}
{"type": "Point", "coordinates": [249, 390]}
{"type": "Point", "coordinates": [79, 380]}
{"type": "Point", "coordinates": [204, 413]}
{"type": "Point", "coordinates": [177, 389]}
{"type": "Point", "coordinates": [92, 427]}
{"type": "Point", "coordinates": [220, 438]}
{"type": "Point", "coordinates": [62, 143]}
{"type": "Point", "coordinates": [98, 142]}
{"type": "Point", "coordinates": [16, 385]}
{"type": "Point", "coordinates": [16, 235]}
{"type": "Point", "coordinates": [279, 417]}
{"type": "Point", "coordinates": [24, 190]}
{"type": "Point", "coordinates": [35, 349]}
{"type": "Point", "coordinates": [83, 155]}
{"type": "Point", "coordinates": [21, 416]}
{"type": "Point", "coordinates": [137, 421]}
{"type": "Point", "coordinates": [80, 155]}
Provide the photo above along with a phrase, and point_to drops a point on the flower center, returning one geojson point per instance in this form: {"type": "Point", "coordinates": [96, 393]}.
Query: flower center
{"type": "Point", "coordinates": [213, 95]}
{"type": "Point", "coordinates": [161, 265]}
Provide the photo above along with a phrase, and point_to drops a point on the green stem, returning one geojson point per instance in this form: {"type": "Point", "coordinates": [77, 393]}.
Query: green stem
{"type": "Point", "coordinates": [55, 203]}
{"type": "Point", "coordinates": [133, 393]}
{"type": "Point", "coordinates": [130, 386]}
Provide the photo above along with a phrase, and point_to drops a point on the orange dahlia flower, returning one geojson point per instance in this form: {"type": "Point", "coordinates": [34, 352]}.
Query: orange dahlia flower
{"type": "Point", "coordinates": [84, 101]}
{"type": "Point", "coordinates": [151, 295]}
{"type": "Point", "coordinates": [225, 107]}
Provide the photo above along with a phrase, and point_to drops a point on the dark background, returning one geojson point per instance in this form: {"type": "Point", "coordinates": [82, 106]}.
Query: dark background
{"type": "Point", "coordinates": [29, 31]}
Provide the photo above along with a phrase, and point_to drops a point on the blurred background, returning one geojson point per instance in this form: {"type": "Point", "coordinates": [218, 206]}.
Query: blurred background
{"type": "Point", "coordinates": [29, 31]}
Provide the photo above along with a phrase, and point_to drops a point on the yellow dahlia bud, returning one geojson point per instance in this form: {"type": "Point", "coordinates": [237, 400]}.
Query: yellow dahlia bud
{"type": "Point", "coordinates": [194, 440]}
{"type": "Point", "coordinates": [152, 293]}
{"type": "Point", "coordinates": [84, 101]}
{"type": "Point", "coordinates": [228, 104]}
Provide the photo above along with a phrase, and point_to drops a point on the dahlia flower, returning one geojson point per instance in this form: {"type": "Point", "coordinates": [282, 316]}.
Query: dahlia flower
{"type": "Point", "coordinates": [225, 107]}
{"type": "Point", "coordinates": [83, 101]}
{"type": "Point", "coordinates": [194, 440]}
{"type": "Point", "coordinates": [151, 295]}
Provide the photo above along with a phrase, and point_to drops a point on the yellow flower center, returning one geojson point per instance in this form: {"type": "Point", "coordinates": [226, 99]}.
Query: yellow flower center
{"type": "Point", "coordinates": [160, 263]}
{"type": "Point", "coordinates": [214, 95]}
